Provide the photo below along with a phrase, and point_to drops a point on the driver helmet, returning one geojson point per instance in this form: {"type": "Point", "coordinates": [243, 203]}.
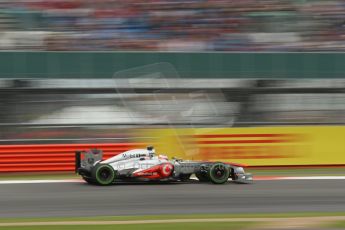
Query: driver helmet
{"type": "Point", "coordinates": [151, 151]}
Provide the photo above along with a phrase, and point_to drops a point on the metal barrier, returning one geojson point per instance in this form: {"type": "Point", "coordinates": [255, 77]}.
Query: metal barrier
{"type": "Point", "coordinates": [51, 157]}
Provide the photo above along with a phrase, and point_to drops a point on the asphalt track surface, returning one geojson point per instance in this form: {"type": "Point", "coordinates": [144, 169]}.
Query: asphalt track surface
{"type": "Point", "coordinates": [81, 199]}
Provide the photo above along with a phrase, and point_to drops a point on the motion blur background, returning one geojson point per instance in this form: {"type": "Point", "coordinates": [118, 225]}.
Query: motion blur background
{"type": "Point", "coordinates": [195, 25]}
{"type": "Point", "coordinates": [257, 82]}
{"type": "Point", "coordinates": [109, 71]}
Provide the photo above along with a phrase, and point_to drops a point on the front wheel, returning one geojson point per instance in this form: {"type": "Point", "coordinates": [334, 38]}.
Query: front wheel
{"type": "Point", "coordinates": [104, 174]}
{"type": "Point", "coordinates": [219, 173]}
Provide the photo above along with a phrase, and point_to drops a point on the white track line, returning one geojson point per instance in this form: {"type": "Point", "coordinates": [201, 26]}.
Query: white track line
{"type": "Point", "coordinates": [299, 178]}
{"type": "Point", "coordinates": [258, 178]}
{"type": "Point", "coordinates": [39, 181]}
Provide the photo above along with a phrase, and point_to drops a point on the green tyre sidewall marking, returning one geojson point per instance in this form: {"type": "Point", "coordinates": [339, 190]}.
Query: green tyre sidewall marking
{"type": "Point", "coordinates": [100, 180]}
{"type": "Point", "coordinates": [223, 179]}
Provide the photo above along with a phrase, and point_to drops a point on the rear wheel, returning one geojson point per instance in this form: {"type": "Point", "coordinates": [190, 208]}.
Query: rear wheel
{"type": "Point", "coordinates": [219, 173]}
{"type": "Point", "coordinates": [104, 174]}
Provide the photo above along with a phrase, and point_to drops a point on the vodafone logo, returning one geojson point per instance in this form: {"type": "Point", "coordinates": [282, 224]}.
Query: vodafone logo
{"type": "Point", "coordinates": [167, 169]}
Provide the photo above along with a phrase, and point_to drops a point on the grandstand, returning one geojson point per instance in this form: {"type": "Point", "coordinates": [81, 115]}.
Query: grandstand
{"type": "Point", "coordinates": [160, 25]}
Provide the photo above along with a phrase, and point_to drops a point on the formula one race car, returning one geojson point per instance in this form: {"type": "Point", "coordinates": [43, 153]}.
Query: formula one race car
{"type": "Point", "coordinates": [144, 165]}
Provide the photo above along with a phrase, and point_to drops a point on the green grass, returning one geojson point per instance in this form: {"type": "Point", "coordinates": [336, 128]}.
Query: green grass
{"type": "Point", "coordinates": [153, 226]}
{"type": "Point", "coordinates": [170, 226]}
{"type": "Point", "coordinates": [168, 217]}
{"type": "Point", "coordinates": [337, 225]}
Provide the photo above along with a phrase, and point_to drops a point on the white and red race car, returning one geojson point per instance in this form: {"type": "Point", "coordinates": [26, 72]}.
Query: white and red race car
{"type": "Point", "coordinates": [144, 165]}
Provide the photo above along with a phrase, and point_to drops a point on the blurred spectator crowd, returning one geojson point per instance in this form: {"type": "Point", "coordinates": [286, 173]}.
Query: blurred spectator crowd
{"type": "Point", "coordinates": [173, 25]}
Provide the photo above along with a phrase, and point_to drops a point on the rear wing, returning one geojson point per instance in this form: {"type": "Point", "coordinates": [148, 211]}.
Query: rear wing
{"type": "Point", "coordinates": [87, 159]}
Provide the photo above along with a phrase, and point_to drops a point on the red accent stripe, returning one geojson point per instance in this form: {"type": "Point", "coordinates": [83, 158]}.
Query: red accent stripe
{"type": "Point", "coordinates": [242, 141]}
{"type": "Point", "coordinates": [243, 135]}
{"type": "Point", "coordinates": [230, 163]}
{"type": "Point", "coordinates": [297, 166]}
{"type": "Point", "coordinates": [94, 145]}
{"type": "Point", "coordinates": [247, 152]}
{"type": "Point", "coordinates": [51, 157]}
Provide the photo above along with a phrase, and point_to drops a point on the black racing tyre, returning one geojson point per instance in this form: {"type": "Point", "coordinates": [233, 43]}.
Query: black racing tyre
{"type": "Point", "coordinates": [202, 177]}
{"type": "Point", "coordinates": [219, 173]}
{"type": "Point", "coordinates": [103, 174]}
